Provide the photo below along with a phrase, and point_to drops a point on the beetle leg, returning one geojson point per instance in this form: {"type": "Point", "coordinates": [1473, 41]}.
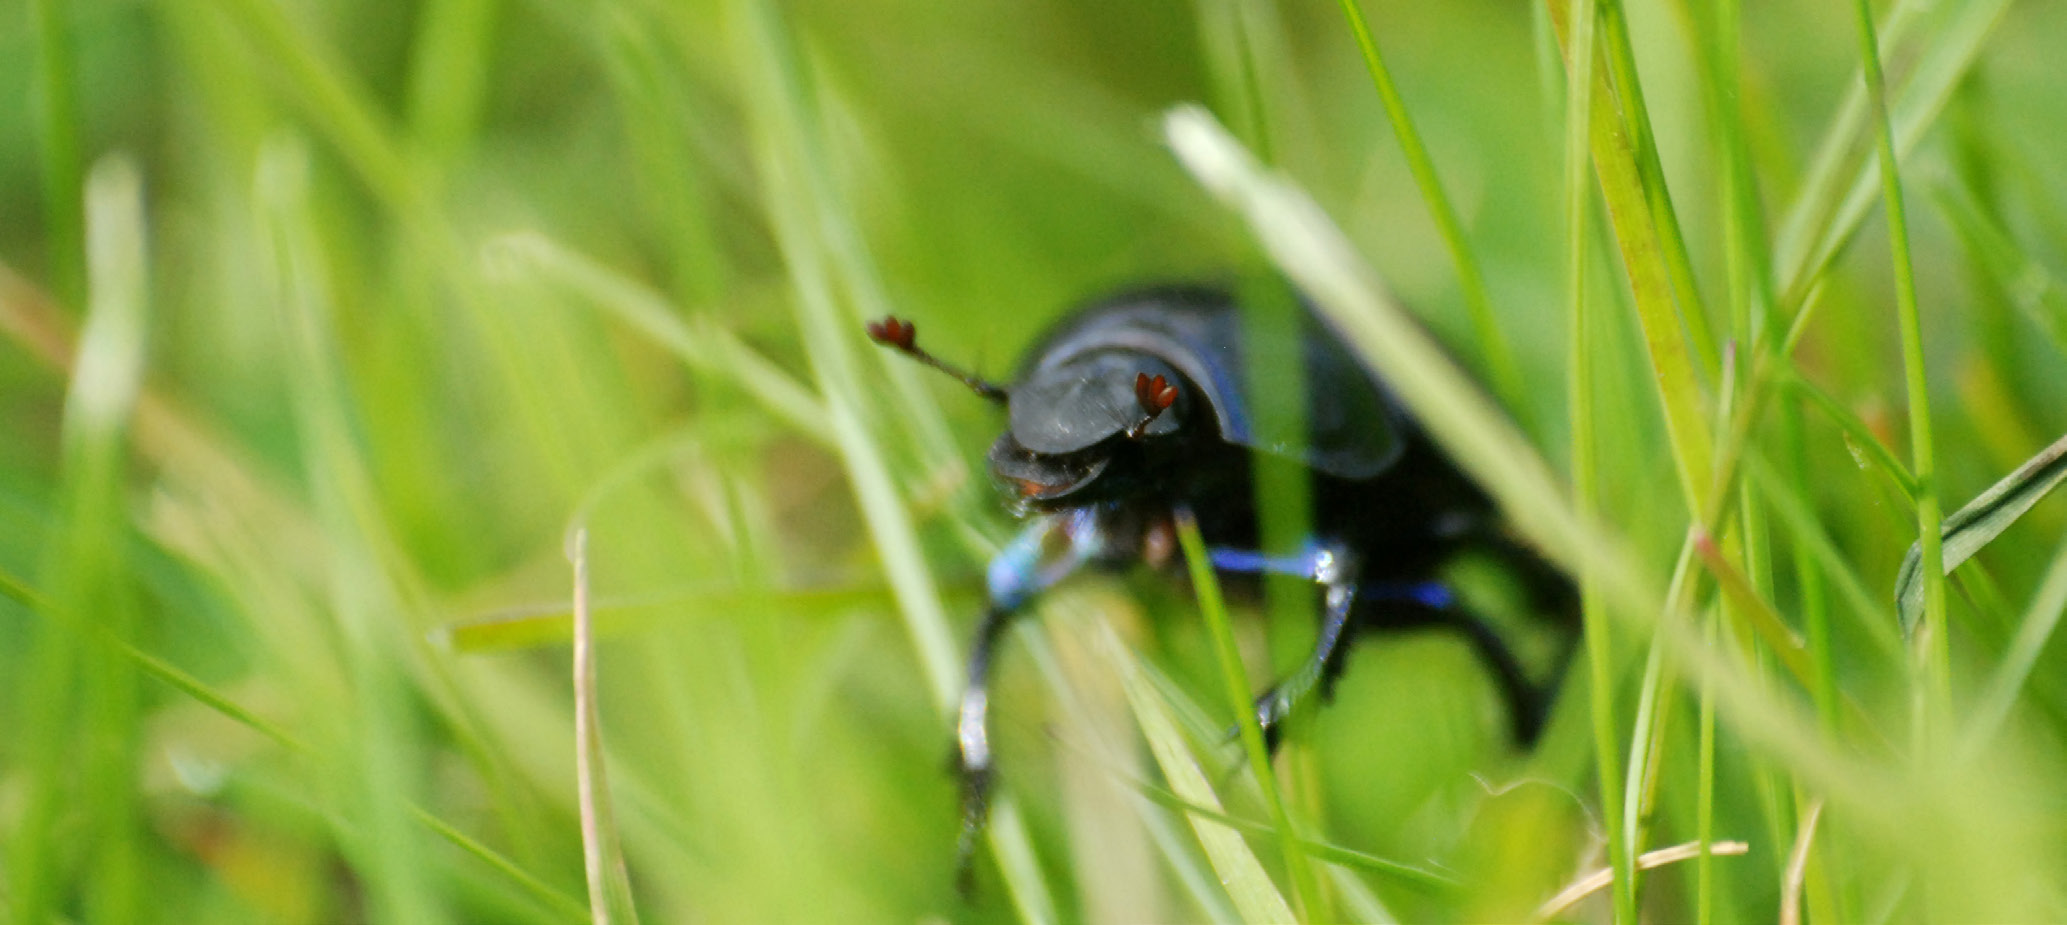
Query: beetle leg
{"type": "Point", "coordinates": [1528, 703]}
{"type": "Point", "coordinates": [1333, 569]}
{"type": "Point", "coordinates": [1045, 553]}
{"type": "Point", "coordinates": [1321, 668]}
{"type": "Point", "coordinates": [973, 764]}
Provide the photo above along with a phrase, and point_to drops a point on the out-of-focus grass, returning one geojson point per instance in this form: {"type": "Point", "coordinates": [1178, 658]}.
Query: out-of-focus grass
{"type": "Point", "coordinates": [413, 288]}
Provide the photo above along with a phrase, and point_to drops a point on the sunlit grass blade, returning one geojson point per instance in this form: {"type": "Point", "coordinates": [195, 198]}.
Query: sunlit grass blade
{"type": "Point", "coordinates": [1241, 874]}
{"type": "Point", "coordinates": [1305, 889]}
{"type": "Point", "coordinates": [1305, 245]}
{"type": "Point", "coordinates": [1975, 525]}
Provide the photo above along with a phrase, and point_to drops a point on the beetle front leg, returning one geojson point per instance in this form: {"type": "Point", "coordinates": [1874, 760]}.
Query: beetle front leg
{"type": "Point", "coordinates": [1046, 552]}
{"type": "Point", "coordinates": [973, 764]}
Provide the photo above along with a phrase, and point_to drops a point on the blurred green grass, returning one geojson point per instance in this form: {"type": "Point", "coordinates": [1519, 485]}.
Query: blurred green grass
{"type": "Point", "coordinates": [422, 287]}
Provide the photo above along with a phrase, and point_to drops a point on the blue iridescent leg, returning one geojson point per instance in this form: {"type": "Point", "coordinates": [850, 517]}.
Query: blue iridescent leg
{"type": "Point", "coordinates": [1334, 570]}
{"type": "Point", "coordinates": [1317, 675]}
{"type": "Point", "coordinates": [1046, 552]}
{"type": "Point", "coordinates": [973, 765]}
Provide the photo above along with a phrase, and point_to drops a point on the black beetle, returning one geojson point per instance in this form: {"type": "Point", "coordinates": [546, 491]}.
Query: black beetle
{"type": "Point", "coordinates": [1136, 408]}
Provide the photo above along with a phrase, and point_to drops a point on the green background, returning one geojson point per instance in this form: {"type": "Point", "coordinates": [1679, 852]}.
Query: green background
{"type": "Point", "coordinates": [420, 288]}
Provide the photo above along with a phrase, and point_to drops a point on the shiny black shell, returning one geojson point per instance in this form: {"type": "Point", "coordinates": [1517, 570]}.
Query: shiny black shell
{"type": "Point", "coordinates": [1356, 430]}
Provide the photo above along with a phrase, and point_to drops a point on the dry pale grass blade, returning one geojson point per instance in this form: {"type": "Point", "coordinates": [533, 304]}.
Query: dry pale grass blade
{"type": "Point", "coordinates": [1798, 866]}
{"type": "Point", "coordinates": [1602, 878]}
{"type": "Point", "coordinates": [602, 857]}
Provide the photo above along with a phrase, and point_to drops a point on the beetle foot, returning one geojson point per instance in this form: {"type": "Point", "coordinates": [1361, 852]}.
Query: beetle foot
{"type": "Point", "coordinates": [976, 783]}
{"type": "Point", "coordinates": [1272, 709]}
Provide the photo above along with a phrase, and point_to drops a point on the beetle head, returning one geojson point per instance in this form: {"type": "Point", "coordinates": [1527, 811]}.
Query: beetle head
{"type": "Point", "coordinates": [1069, 420]}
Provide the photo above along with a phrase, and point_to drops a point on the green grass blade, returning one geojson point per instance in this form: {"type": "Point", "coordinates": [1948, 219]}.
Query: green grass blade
{"type": "Point", "coordinates": [377, 777]}
{"type": "Point", "coordinates": [1840, 190]}
{"type": "Point", "coordinates": [2033, 289]}
{"type": "Point", "coordinates": [57, 131]}
{"type": "Point", "coordinates": [1305, 889]}
{"type": "Point", "coordinates": [699, 342]}
{"type": "Point", "coordinates": [1255, 897]}
{"type": "Point", "coordinates": [610, 892]}
{"type": "Point", "coordinates": [82, 737]}
{"type": "Point", "coordinates": [798, 198]}
{"type": "Point", "coordinates": [1975, 525]}
{"type": "Point", "coordinates": [448, 74]}
{"type": "Point", "coordinates": [1937, 656]}
{"type": "Point", "coordinates": [1504, 371]}
{"type": "Point", "coordinates": [1634, 208]}
{"type": "Point", "coordinates": [1599, 630]}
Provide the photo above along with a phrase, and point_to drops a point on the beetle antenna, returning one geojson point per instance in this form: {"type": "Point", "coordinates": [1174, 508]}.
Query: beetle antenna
{"type": "Point", "coordinates": [902, 336]}
{"type": "Point", "coordinates": [1156, 395]}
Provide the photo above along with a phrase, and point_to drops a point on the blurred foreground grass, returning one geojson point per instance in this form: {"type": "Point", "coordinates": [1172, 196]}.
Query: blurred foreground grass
{"type": "Point", "coordinates": [325, 323]}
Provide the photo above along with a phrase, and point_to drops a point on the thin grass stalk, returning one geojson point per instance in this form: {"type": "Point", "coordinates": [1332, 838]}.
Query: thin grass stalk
{"type": "Point", "coordinates": [1824, 883]}
{"type": "Point", "coordinates": [1585, 466]}
{"type": "Point", "coordinates": [1704, 793]}
{"type": "Point", "coordinates": [1230, 53]}
{"type": "Point", "coordinates": [337, 107]}
{"type": "Point", "coordinates": [1305, 888]}
{"type": "Point", "coordinates": [1828, 211]}
{"type": "Point", "coordinates": [57, 136]}
{"type": "Point", "coordinates": [610, 894]}
{"type": "Point", "coordinates": [1935, 652]}
{"type": "Point", "coordinates": [1277, 390]}
{"type": "Point", "coordinates": [1504, 371]}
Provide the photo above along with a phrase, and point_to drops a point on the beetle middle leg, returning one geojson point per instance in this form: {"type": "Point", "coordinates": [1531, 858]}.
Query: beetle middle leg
{"type": "Point", "coordinates": [1334, 569]}
{"type": "Point", "coordinates": [1351, 605]}
{"type": "Point", "coordinates": [1348, 610]}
